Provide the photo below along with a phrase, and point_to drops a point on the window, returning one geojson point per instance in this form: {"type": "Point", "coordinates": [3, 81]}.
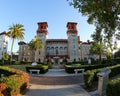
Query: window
{"type": "Point", "coordinates": [72, 27]}
{"type": "Point", "coordinates": [52, 48]}
{"type": "Point", "coordinates": [73, 40]}
{"type": "Point", "coordinates": [73, 46]}
{"type": "Point", "coordinates": [41, 27]}
{"type": "Point", "coordinates": [61, 48]}
{"type": "Point", "coordinates": [39, 52]}
{"type": "Point", "coordinates": [74, 52]}
{"type": "Point", "coordinates": [65, 48]}
{"type": "Point", "coordinates": [48, 48]}
{"type": "Point", "coordinates": [39, 60]}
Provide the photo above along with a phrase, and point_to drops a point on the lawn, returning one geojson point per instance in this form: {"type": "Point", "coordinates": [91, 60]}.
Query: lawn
{"type": "Point", "coordinates": [20, 67]}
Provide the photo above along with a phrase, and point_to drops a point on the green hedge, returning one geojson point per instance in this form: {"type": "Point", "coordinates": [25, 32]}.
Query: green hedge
{"type": "Point", "coordinates": [111, 61]}
{"type": "Point", "coordinates": [42, 68]}
{"type": "Point", "coordinates": [91, 75]}
{"type": "Point", "coordinates": [14, 84]}
{"type": "Point", "coordinates": [113, 87]}
{"type": "Point", "coordinates": [92, 67]}
{"type": "Point", "coordinates": [70, 69]}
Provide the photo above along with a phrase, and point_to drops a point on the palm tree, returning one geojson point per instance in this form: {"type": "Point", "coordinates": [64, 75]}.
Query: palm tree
{"type": "Point", "coordinates": [16, 31]}
{"type": "Point", "coordinates": [35, 44]}
{"type": "Point", "coordinates": [98, 48]}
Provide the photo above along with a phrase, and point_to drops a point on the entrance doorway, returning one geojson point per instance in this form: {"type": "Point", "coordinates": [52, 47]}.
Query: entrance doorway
{"type": "Point", "coordinates": [56, 64]}
{"type": "Point", "coordinates": [56, 60]}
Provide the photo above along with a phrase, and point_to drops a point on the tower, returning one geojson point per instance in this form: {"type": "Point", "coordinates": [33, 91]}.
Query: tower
{"type": "Point", "coordinates": [73, 46]}
{"type": "Point", "coordinates": [42, 35]}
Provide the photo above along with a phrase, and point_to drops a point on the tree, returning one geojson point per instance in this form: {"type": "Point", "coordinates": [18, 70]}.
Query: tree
{"type": "Point", "coordinates": [98, 43]}
{"type": "Point", "coordinates": [35, 44]}
{"type": "Point", "coordinates": [99, 49]}
{"type": "Point", "coordinates": [16, 31]}
{"type": "Point", "coordinates": [104, 14]}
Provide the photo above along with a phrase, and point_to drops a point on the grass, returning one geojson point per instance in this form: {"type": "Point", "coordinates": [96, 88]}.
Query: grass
{"type": "Point", "coordinates": [20, 67]}
{"type": "Point", "coordinates": [23, 66]}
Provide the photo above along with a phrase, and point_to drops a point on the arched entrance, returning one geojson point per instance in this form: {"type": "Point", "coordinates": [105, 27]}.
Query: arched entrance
{"type": "Point", "coordinates": [56, 62]}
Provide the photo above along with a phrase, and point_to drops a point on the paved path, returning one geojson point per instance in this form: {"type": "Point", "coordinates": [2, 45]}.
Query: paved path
{"type": "Point", "coordinates": [56, 83]}
{"type": "Point", "coordinates": [56, 90]}
{"type": "Point", "coordinates": [61, 80]}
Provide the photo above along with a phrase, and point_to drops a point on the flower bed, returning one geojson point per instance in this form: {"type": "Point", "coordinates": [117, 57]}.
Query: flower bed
{"type": "Point", "coordinates": [15, 84]}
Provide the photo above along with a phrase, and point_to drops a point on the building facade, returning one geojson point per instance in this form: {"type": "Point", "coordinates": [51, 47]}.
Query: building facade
{"type": "Point", "coordinates": [56, 50]}
{"type": "Point", "coordinates": [3, 43]}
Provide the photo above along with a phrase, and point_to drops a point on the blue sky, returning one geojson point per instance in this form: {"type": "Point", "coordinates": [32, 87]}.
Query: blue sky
{"type": "Point", "coordinates": [56, 12]}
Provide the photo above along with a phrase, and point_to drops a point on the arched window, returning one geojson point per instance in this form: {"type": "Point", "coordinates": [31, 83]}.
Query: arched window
{"type": "Point", "coordinates": [61, 48]}
{"type": "Point", "coordinates": [48, 48]}
{"type": "Point", "coordinates": [52, 48]}
{"type": "Point", "coordinates": [41, 27]}
{"type": "Point", "coordinates": [39, 60]}
{"type": "Point", "coordinates": [72, 27]}
{"type": "Point", "coordinates": [56, 47]}
{"type": "Point", "coordinates": [65, 48]}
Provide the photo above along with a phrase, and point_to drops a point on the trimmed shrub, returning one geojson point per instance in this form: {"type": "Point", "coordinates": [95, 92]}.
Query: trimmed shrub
{"type": "Point", "coordinates": [89, 78]}
{"type": "Point", "coordinates": [113, 87]}
{"type": "Point", "coordinates": [92, 67]}
{"type": "Point", "coordinates": [42, 68]}
{"type": "Point", "coordinates": [72, 67]}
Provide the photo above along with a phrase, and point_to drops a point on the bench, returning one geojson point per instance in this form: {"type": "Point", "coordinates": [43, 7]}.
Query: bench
{"type": "Point", "coordinates": [79, 70]}
{"type": "Point", "coordinates": [34, 70]}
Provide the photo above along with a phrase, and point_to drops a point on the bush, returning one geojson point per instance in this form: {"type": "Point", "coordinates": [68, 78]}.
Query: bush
{"type": "Point", "coordinates": [14, 84]}
{"type": "Point", "coordinates": [89, 78]}
{"type": "Point", "coordinates": [23, 62]}
{"type": "Point", "coordinates": [70, 68]}
{"type": "Point", "coordinates": [113, 88]}
{"type": "Point", "coordinates": [42, 68]}
{"type": "Point", "coordinates": [92, 67]}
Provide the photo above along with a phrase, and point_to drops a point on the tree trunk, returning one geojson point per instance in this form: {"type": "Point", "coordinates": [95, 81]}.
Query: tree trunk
{"type": "Point", "coordinates": [35, 54]}
{"type": "Point", "coordinates": [11, 50]}
{"type": "Point", "coordinates": [100, 57]}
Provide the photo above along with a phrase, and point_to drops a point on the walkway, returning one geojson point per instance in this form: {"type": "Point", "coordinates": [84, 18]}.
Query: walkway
{"type": "Point", "coordinates": [54, 83]}
{"type": "Point", "coordinates": [57, 77]}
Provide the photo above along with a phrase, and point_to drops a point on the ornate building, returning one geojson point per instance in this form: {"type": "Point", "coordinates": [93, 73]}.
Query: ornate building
{"type": "Point", "coordinates": [3, 43]}
{"type": "Point", "coordinates": [57, 50]}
